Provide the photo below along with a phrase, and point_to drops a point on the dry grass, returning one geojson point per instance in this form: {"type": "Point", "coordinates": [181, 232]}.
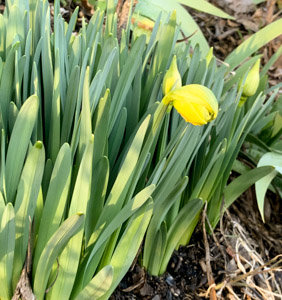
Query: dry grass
{"type": "Point", "coordinates": [247, 274]}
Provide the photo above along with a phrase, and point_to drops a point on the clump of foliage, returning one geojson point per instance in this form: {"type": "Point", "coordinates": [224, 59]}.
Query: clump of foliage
{"type": "Point", "coordinates": [94, 158]}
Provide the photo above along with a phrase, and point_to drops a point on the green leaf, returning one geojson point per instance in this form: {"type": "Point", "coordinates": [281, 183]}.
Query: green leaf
{"type": "Point", "coordinates": [126, 78]}
{"type": "Point", "coordinates": [7, 245]}
{"type": "Point", "coordinates": [55, 122]}
{"type": "Point", "coordinates": [98, 286]}
{"type": "Point", "coordinates": [240, 73]}
{"type": "Point", "coordinates": [205, 6]}
{"type": "Point", "coordinates": [2, 37]}
{"type": "Point", "coordinates": [54, 247]}
{"type": "Point", "coordinates": [253, 43]}
{"type": "Point", "coordinates": [26, 75]}
{"type": "Point", "coordinates": [160, 241]}
{"type": "Point", "coordinates": [47, 75]}
{"type": "Point", "coordinates": [69, 259]}
{"type": "Point", "coordinates": [119, 190]}
{"type": "Point", "coordinates": [20, 136]}
{"type": "Point", "coordinates": [70, 105]}
{"type": "Point", "coordinates": [271, 61]}
{"type": "Point", "coordinates": [6, 84]}
{"type": "Point", "coordinates": [55, 201]}
{"type": "Point", "coordinates": [161, 209]}
{"type": "Point", "coordinates": [133, 236]}
{"type": "Point", "coordinates": [242, 183]}
{"type": "Point", "coordinates": [184, 223]}
{"type": "Point", "coordinates": [258, 1]}
{"type": "Point", "coordinates": [25, 203]}
{"type": "Point", "coordinates": [100, 175]}
{"type": "Point", "coordinates": [2, 205]}
{"type": "Point", "coordinates": [85, 124]}
{"type": "Point", "coordinates": [15, 27]}
{"type": "Point", "coordinates": [268, 159]}
{"type": "Point", "coordinates": [3, 165]}
{"type": "Point", "coordinates": [127, 211]}
{"type": "Point", "coordinates": [101, 126]}
{"type": "Point", "coordinates": [116, 136]}
{"type": "Point", "coordinates": [71, 25]}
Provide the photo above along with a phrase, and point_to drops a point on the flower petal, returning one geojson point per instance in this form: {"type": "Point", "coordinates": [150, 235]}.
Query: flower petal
{"type": "Point", "coordinates": [196, 103]}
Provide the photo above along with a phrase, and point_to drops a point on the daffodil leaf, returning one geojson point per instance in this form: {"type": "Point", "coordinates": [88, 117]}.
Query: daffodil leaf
{"type": "Point", "coordinates": [268, 159]}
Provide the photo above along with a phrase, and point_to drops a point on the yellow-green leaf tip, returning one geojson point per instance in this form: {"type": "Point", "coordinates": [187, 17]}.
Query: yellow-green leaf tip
{"type": "Point", "coordinates": [196, 103]}
{"type": "Point", "coordinates": [209, 56]}
{"type": "Point", "coordinates": [39, 145]}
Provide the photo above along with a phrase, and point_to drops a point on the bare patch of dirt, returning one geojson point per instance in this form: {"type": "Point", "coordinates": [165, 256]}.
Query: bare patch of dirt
{"type": "Point", "coordinates": [241, 267]}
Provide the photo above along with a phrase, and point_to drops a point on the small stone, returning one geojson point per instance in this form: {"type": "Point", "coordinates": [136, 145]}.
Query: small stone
{"type": "Point", "coordinates": [169, 280]}
{"type": "Point", "coordinates": [146, 290]}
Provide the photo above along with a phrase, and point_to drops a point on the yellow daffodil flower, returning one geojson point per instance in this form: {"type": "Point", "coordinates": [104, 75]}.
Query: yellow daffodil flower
{"type": "Point", "coordinates": [195, 103]}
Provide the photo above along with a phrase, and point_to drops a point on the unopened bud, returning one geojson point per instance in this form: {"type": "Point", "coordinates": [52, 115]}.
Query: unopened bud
{"type": "Point", "coordinates": [172, 79]}
{"type": "Point", "coordinates": [252, 81]}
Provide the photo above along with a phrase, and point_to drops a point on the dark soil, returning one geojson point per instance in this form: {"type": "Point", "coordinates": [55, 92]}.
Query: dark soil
{"type": "Point", "coordinates": [184, 278]}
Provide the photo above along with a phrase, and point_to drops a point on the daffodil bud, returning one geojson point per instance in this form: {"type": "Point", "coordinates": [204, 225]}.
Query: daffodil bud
{"type": "Point", "coordinates": [252, 81]}
{"type": "Point", "coordinates": [209, 56]}
{"type": "Point", "coordinates": [195, 103]}
{"type": "Point", "coordinates": [172, 79]}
